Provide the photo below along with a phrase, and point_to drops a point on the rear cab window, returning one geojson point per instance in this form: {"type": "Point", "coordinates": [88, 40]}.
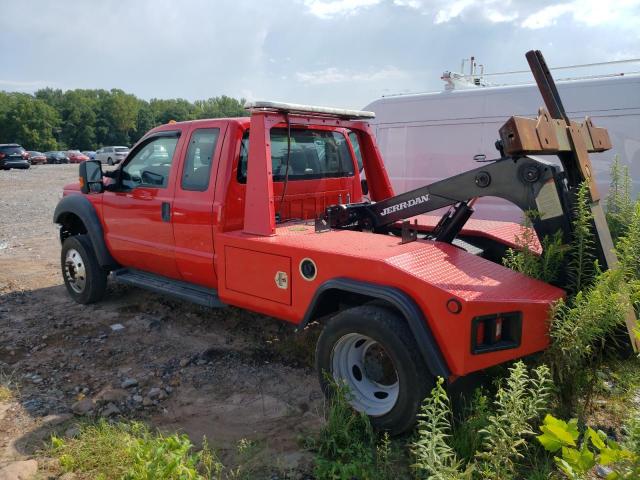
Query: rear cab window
{"type": "Point", "coordinates": [311, 154]}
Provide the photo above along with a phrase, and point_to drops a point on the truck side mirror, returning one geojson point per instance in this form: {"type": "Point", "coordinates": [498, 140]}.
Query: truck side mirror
{"type": "Point", "coordinates": [91, 177]}
{"type": "Point", "coordinates": [365, 186]}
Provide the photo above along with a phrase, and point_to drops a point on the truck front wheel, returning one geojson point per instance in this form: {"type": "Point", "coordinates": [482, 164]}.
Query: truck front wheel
{"type": "Point", "coordinates": [85, 280]}
{"type": "Point", "coordinates": [371, 350]}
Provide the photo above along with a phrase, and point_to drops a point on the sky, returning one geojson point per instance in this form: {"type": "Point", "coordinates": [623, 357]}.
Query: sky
{"type": "Point", "coordinates": [343, 53]}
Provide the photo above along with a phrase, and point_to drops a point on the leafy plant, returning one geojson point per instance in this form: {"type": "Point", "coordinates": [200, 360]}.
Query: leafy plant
{"type": "Point", "coordinates": [524, 259]}
{"type": "Point", "coordinates": [628, 246]}
{"type": "Point", "coordinates": [434, 457]}
{"type": "Point", "coordinates": [467, 437]}
{"type": "Point", "coordinates": [582, 267]}
{"type": "Point", "coordinates": [346, 445]}
{"type": "Point", "coordinates": [579, 456]}
{"type": "Point", "coordinates": [521, 399]}
{"type": "Point", "coordinates": [383, 456]}
{"type": "Point", "coordinates": [579, 328]}
{"type": "Point", "coordinates": [619, 206]}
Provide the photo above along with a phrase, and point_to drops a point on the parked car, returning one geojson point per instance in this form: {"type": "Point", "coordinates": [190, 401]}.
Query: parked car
{"type": "Point", "coordinates": [112, 155]}
{"type": "Point", "coordinates": [57, 157]}
{"type": "Point", "coordinates": [37, 158]}
{"type": "Point", "coordinates": [75, 156]}
{"type": "Point", "coordinates": [90, 153]}
{"type": "Point", "coordinates": [13, 155]}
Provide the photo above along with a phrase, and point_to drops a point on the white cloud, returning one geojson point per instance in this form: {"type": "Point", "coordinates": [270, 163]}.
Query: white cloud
{"type": "Point", "coordinates": [494, 11]}
{"type": "Point", "coordinates": [335, 75]}
{"type": "Point", "coordinates": [587, 12]}
{"type": "Point", "coordinates": [452, 11]}
{"type": "Point", "coordinates": [415, 4]}
{"type": "Point", "coordinates": [496, 16]}
{"type": "Point", "coordinates": [326, 9]}
{"type": "Point", "coordinates": [547, 16]}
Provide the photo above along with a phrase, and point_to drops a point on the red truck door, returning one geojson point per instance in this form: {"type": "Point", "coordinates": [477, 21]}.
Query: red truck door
{"type": "Point", "coordinates": [193, 208]}
{"type": "Point", "coordinates": [137, 216]}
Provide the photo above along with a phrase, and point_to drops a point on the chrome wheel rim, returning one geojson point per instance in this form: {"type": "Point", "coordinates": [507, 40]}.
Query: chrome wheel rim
{"type": "Point", "coordinates": [74, 270]}
{"type": "Point", "coordinates": [365, 367]}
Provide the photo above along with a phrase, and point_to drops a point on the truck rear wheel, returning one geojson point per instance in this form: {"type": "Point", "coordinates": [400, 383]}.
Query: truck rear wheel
{"type": "Point", "coordinates": [85, 280]}
{"type": "Point", "coordinates": [371, 349]}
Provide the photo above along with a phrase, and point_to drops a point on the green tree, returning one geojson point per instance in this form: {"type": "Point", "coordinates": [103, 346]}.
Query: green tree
{"type": "Point", "coordinates": [217, 107]}
{"type": "Point", "coordinates": [145, 121]}
{"type": "Point", "coordinates": [31, 123]}
{"type": "Point", "coordinates": [78, 111]}
{"type": "Point", "coordinates": [177, 109]}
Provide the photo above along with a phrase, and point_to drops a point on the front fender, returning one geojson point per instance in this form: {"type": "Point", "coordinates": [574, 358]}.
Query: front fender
{"type": "Point", "coordinates": [82, 208]}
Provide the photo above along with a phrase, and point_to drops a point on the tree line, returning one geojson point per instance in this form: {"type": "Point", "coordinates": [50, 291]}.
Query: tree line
{"type": "Point", "coordinates": [52, 119]}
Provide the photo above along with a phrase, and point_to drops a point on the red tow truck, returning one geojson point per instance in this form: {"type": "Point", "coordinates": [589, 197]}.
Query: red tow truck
{"type": "Point", "coordinates": [290, 213]}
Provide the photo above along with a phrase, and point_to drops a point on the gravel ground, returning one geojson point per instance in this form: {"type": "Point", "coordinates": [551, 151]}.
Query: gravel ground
{"type": "Point", "coordinates": [227, 374]}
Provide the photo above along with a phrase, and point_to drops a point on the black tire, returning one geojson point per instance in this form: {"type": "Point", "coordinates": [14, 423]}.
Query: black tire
{"type": "Point", "coordinates": [389, 330]}
{"type": "Point", "coordinates": [109, 161]}
{"type": "Point", "coordinates": [94, 278]}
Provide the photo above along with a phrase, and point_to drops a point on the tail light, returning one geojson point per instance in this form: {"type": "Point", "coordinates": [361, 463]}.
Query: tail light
{"type": "Point", "coordinates": [500, 331]}
{"type": "Point", "coordinates": [2, 155]}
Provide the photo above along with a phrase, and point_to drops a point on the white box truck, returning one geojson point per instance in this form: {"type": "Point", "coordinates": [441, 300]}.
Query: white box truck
{"type": "Point", "coordinates": [429, 136]}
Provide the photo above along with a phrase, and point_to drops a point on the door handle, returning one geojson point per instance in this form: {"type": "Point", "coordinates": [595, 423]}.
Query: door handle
{"type": "Point", "coordinates": [166, 212]}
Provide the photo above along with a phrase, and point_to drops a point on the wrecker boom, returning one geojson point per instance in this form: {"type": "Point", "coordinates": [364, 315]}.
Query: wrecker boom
{"type": "Point", "coordinates": [532, 184]}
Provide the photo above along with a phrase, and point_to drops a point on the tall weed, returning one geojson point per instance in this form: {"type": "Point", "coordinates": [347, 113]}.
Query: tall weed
{"type": "Point", "coordinates": [346, 447]}
{"type": "Point", "coordinates": [619, 206]}
{"type": "Point", "coordinates": [520, 400]}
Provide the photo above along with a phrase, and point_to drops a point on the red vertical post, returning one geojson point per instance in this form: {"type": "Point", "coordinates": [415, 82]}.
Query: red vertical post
{"type": "Point", "coordinates": [377, 178]}
{"type": "Point", "coordinates": [259, 210]}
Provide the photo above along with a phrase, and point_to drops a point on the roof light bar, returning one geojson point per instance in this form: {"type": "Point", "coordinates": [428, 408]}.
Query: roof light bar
{"type": "Point", "coordinates": [309, 109]}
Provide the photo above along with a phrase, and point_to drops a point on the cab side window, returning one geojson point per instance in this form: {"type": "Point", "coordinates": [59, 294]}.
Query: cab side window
{"type": "Point", "coordinates": [151, 165]}
{"type": "Point", "coordinates": [197, 164]}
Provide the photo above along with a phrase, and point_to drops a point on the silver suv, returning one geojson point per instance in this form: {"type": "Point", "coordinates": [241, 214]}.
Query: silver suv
{"type": "Point", "coordinates": [112, 155]}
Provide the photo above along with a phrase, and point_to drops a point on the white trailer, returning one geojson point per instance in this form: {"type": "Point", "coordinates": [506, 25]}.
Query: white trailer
{"type": "Point", "coordinates": [426, 137]}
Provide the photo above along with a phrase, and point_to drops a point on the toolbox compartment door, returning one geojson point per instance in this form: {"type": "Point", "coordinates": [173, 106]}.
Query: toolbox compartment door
{"type": "Point", "coordinates": [259, 274]}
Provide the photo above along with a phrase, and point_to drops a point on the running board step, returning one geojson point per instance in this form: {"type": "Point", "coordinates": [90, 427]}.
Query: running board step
{"type": "Point", "coordinates": [185, 291]}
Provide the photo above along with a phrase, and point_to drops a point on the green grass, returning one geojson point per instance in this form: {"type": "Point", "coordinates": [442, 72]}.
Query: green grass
{"type": "Point", "coordinates": [130, 451]}
{"type": "Point", "coordinates": [347, 446]}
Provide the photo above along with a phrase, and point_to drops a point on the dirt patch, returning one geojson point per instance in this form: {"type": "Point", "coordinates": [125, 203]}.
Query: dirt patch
{"type": "Point", "coordinates": [227, 374]}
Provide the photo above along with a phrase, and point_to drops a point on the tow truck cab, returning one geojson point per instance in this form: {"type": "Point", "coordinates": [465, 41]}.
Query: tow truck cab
{"type": "Point", "coordinates": [223, 212]}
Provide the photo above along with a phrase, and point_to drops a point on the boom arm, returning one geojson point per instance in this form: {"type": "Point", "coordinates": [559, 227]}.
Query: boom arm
{"type": "Point", "coordinates": [529, 183]}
